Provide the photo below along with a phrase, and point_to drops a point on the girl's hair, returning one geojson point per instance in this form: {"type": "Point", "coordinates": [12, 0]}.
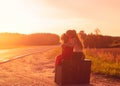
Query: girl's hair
{"type": "Point", "coordinates": [73, 34]}
{"type": "Point", "coordinates": [64, 38]}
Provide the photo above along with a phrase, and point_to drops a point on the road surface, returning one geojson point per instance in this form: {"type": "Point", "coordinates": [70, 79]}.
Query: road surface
{"type": "Point", "coordinates": [12, 54]}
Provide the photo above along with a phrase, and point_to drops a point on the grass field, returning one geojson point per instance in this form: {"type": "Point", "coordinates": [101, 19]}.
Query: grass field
{"type": "Point", "coordinates": [105, 61]}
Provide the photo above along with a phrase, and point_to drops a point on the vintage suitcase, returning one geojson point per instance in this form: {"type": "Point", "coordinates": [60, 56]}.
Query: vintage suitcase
{"type": "Point", "coordinates": [72, 72]}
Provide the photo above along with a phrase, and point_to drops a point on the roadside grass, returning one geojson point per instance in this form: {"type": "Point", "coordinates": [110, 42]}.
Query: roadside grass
{"type": "Point", "coordinates": [102, 65]}
{"type": "Point", "coordinates": [105, 61]}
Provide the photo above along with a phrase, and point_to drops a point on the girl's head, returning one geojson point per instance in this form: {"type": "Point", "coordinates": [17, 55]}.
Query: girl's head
{"type": "Point", "coordinates": [64, 38]}
{"type": "Point", "coordinates": [71, 33]}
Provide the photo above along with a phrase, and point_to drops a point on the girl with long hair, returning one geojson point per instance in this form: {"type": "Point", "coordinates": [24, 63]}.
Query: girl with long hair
{"type": "Point", "coordinates": [77, 45]}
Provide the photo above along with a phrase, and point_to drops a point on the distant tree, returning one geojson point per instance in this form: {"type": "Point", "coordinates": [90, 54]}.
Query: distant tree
{"type": "Point", "coordinates": [97, 31]}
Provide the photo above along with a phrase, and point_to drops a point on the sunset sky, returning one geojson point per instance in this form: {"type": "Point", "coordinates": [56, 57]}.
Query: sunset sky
{"type": "Point", "coordinates": [56, 16]}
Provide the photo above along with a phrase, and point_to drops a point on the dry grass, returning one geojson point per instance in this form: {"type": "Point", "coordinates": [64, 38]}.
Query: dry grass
{"type": "Point", "coordinates": [109, 54]}
{"type": "Point", "coordinates": [105, 61]}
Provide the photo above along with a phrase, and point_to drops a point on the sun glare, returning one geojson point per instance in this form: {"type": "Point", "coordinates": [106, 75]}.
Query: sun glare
{"type": "Point", "coordinates": [16, 16]}
{"type": "Point", "coordinates": [29, 16]}
{"type": "Point", "coordinates": [23, 17]}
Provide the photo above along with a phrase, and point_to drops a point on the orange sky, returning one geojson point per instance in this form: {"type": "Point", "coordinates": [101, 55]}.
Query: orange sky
{"type": "Point", "coordinates": [56, 16]}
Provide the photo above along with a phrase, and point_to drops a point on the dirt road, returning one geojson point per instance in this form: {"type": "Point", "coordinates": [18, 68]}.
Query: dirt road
{"type": "Point", "coordinates": [37, 70]}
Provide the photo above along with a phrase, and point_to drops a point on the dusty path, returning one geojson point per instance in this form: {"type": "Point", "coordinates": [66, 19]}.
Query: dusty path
{"type": "Point", "coordinates": [37, 70]}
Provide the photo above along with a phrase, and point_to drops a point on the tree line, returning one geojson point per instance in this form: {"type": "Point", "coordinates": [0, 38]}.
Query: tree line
{"type": "Point", "coordinates": [99, 41]}
{"type": "Point", "coordinates": [89, 40]}
{"type": "Point", "coordinates": [17, 39]}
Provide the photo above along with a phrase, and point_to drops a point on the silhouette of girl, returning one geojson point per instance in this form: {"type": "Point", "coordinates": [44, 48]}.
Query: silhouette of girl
{"type": "Point", "coordinates": [77, 45]}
